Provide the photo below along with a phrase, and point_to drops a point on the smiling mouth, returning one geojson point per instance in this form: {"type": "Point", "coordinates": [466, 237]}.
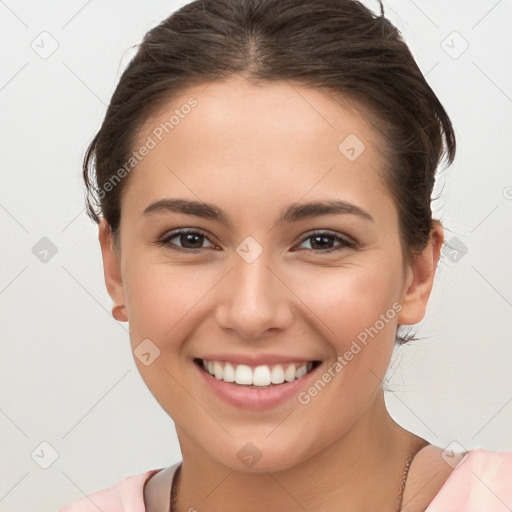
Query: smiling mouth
{"type": "Point", "coordinates": [259, 377]}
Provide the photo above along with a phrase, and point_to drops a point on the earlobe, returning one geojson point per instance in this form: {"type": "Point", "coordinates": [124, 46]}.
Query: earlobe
{"type": "Point", "coordinates": [420, 279]}
{"type": "Point", "coordinates": [112, 270]}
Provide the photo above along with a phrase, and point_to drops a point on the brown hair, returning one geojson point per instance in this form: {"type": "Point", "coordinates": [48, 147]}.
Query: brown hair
{"type": "Point", "coordinates": [339, 46]}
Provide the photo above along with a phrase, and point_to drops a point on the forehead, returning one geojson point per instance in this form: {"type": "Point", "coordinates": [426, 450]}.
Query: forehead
{"type": "Point", "coordinates": [262, 110]}
{"type": "Point", "coordinates": [237, 137]}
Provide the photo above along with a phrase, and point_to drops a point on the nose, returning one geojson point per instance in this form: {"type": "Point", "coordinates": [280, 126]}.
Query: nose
{"type": "Point", "coordinates": [254, 299]}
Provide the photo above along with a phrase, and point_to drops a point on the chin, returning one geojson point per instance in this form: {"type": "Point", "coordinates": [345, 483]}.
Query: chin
{"type": "Point", "coordinates": [261, 455]}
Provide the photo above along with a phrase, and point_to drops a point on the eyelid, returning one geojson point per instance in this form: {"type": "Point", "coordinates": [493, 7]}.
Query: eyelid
{"type": "Point", "coordinates": [329, 232]}
{"type": "Point", "coordinates": [166, 237]}
{"type": "Point", "coordinates": [346, 241]}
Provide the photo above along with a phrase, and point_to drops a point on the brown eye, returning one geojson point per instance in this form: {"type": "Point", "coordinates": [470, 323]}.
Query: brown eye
{"type": "Point", "coordinates": [321, 242]}
{"type": "Point", "coordinates": [190, 240]}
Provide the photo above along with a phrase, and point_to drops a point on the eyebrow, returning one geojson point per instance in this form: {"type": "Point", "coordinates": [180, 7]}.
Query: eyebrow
{"type": "Point", "coordinates": [294, 213]}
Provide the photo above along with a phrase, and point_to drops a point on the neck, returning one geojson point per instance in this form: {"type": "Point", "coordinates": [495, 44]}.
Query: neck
{"type": "Point", "coordinates": [361, 471]}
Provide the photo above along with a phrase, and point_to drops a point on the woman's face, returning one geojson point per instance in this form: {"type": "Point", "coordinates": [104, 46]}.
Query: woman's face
{"type": "Point", "coordinates": [253, 284]}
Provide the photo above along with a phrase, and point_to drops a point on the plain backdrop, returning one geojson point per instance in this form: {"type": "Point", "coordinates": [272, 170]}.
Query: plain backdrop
{"type": "Point", "coordinates": [75, 415]}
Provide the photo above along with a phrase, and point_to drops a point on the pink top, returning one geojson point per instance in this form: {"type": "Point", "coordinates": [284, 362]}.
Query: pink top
{"type": "Point", "coordinates": [481, 482]}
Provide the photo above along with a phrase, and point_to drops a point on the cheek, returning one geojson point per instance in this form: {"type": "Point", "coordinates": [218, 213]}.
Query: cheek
{"type": "Point", "coordinates": [162, 296]}
{"type": "Point", "coordinates": [349, 299]}
{"type": "Point", "coordinates": [356, 310]}
{"type": "Point", "coordinates": [162, 300]}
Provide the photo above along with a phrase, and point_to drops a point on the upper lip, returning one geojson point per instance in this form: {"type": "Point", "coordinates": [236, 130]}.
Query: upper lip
{"type": "Point", "coordinates": [256, 360]}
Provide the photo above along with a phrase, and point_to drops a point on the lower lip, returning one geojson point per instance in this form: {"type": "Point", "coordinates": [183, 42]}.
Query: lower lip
{"type": "Point", "coordinates": [252, 398]}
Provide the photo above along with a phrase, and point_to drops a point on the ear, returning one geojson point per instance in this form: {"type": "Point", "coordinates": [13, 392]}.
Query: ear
{"type": "Point", "coordinates": [111, 268]}
{"type": "Point", "coordinates": [420, 279]}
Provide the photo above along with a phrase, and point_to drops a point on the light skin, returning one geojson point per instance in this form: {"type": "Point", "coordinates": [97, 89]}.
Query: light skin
{"type": "Point", "coordinates": [254, 150]}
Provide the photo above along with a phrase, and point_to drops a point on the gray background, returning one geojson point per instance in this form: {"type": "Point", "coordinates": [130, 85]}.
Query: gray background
{"type": "Point", "coordinates": [68, 379]}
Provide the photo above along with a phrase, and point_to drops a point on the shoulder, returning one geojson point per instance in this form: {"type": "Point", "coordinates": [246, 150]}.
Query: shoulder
{"type": "Point", "coordinates": [481, 466]}
{"type": "Point", "coordinates": [484, 466]}
{"type": "Point", "coordinates": [431, 468]}
{"type": "Point", "coordinates": [124, 496]}
{"type": "Point", "coordinates": [483, 459]}
{"type": "Point", "coordinates": [482, 478]}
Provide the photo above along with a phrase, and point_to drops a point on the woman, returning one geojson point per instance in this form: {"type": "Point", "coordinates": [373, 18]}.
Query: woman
{"type": "Point", "coordinates": [262, 184]}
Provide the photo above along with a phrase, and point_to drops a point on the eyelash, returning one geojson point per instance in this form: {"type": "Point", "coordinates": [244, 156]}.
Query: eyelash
{"type": "Point", "coordinates": [345, 243]}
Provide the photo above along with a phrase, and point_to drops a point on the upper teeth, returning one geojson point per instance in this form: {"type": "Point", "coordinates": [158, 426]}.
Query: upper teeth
{"type": "Point", "coordinates": [259, 376]}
